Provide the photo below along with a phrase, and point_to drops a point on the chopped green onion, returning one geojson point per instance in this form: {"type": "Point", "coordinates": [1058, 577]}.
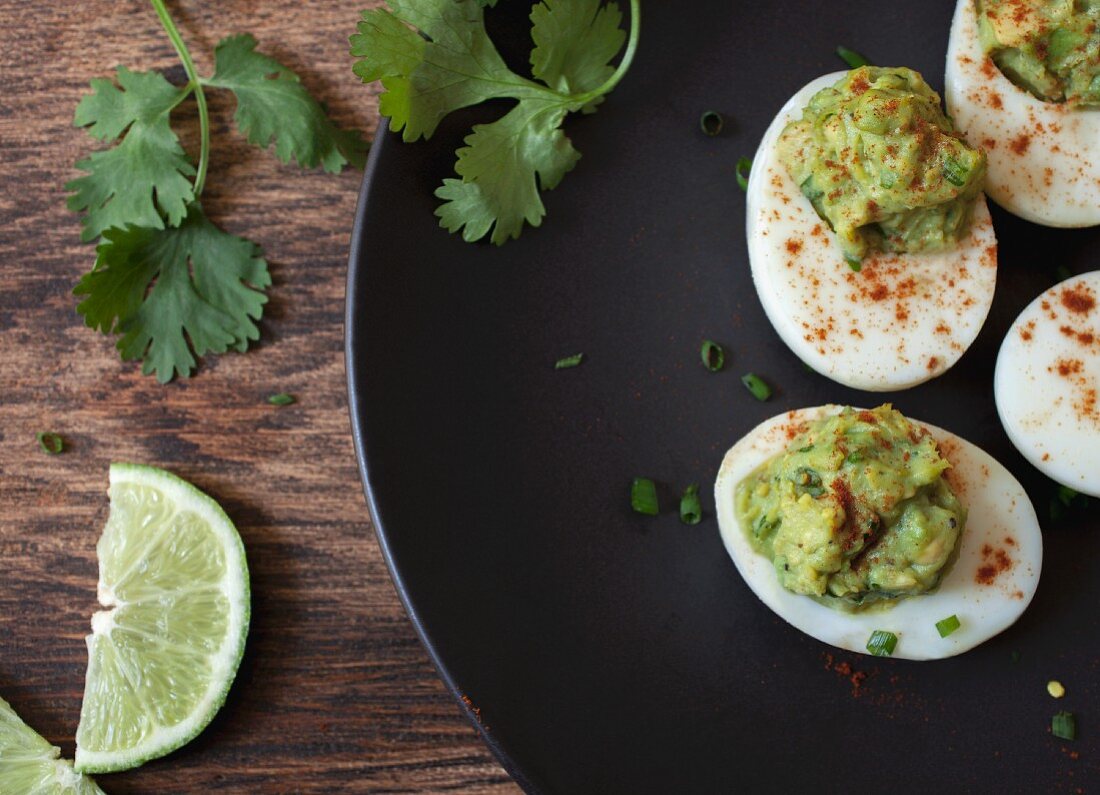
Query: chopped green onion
{"type": "Point", "coordinates": [569, 361]}
{"type": "Point", "coordinates": [808, 369]}
{"type": "Point", "coordinates": [851, 57]}
{"type": "Point", "coordinates": [691, 512]}
{"type": "Point", "coordinates": [882, 643]}
{"type": "Point", "coordinates": [953, 172]}
{"type": "Point", "coordinates": [744, 166]}
{"type": "Point", "coordinates": [853, 263]}
{"type": "Point", "coordinates": [50, 442]}
{"type": "Point", "coordinates": [1066, 495]}
{"type": "Point", "coordinates": [1063, 273]}
{"type": "Point", "coordinates": [711, 123]}
{"type": "Point", "coordinates": [281, 399]}
{"type": "Point", "coordinates": [643, 496]}
{"type": "Point", "coordinates": [756, 385]}
{"type": "Point", "coordinates": [947, 626]}
{"type": "Point", "coordinates": [713, 356]}
{"type": "Point", "coordinates": [1064, 726]}
{"type": "Point", "coordinates": [854, 457]}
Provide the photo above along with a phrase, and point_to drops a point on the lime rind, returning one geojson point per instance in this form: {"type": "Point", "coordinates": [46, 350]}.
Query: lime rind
{"type": "Point", "coordinates": [162, 657]}
{"type": "Point", "coordinates": [29, 765]}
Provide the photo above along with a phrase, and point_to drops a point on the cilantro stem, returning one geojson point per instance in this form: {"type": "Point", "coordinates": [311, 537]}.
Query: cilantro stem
{"type": "Point", "coordinates": [196, 84]}
{"type": "Point", "coordinates": [624, 64]}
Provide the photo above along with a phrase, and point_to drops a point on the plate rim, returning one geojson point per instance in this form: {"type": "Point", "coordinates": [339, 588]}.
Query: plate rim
{"type": "Point", "coordinates": [357, 253]}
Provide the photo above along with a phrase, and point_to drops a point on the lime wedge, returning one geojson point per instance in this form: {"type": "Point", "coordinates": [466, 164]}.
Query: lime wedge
{"type": "Point", "coordinates": [162, 655]}
{"type": "Point", "coordinates": [29, 764]}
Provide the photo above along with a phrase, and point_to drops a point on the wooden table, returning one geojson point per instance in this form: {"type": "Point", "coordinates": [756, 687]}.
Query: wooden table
{"type": "Point", "coordinates": [335, 693]}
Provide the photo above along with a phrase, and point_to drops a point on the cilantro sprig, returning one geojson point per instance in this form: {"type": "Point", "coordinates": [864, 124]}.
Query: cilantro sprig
{"type": "Point", "coordinates": [166, 278]}
{"type": "Point", "coordinates": [435, 56]}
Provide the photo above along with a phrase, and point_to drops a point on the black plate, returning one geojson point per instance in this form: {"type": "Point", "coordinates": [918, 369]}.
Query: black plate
{"type": "Point", "coordinates": [603, 651]}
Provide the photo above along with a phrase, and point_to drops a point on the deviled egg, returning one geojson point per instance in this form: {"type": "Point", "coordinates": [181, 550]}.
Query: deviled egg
{"type": "Point", "coordinates": [870, 243]}
{"type": "Point", "coordinates": [1047, 383]}
{"type": "Point", "coordinates": [1041, 128]}
{"type": "Point", "coordinates": [848, 522]}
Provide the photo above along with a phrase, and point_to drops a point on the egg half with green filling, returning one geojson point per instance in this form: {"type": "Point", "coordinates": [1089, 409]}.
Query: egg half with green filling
{"type": "Point", "coordinates": [1043, 153]}
{"type": "Point", "coordinates": [828, 231]}
{"type": "Point", "coordinates": [972, 544]}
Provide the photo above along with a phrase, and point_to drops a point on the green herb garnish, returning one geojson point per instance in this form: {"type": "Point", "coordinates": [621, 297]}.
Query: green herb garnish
{"type": "Point", "coordinates": [643, 496]}
{"type": "Point", "coordinates": [760, 390]}
{"type": "Point", "coordinates": [711, 123]}
{"type": "Point", "coordinates": [743, 169]}
{"type": "Point", "coordinates": [953, 172]}
{"type": "Point", "coordinates": [281, 399]}
{"type": "Point", "coordinates": [166, 278]}
{"type": "Point", "coordinates": [852, 58]}
{"type": "Point", "coordinates": [713, 355]}
{"type": "Point", "coordinates": [434, 57]}
{"type": "Point", "coordinates": [50, 442]}
{"type": "Point", "coordinates": [853, 263]}
{"type": "Point", "coordinates": [691, 511]}
{"type": "Point", "coordinates": [947, 626]}
{"type": "Point", "coordinates": [1064, 726]}
{"type": "Point", "coordinates": [882, 643]}
{"type": "Point", "coordinates": [569, 361]}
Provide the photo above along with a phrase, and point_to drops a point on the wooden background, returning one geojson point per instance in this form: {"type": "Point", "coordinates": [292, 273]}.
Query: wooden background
{"type": "Point", "coordinates": [335, 693]}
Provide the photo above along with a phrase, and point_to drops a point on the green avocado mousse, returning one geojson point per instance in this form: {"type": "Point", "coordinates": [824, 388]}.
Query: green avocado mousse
{"type": "Point", "coordinates": [883, 165]}
{"type": "Point", "coordinates": [1050, 48]}
{"type": "Point", "coordinates": [856, 511]}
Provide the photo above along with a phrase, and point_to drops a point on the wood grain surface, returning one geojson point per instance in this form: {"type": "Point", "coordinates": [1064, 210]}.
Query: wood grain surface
{"type": "Point", "coordinates": [335, 693]}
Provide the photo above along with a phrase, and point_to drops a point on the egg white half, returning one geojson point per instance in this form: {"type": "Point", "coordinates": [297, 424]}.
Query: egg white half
{"type": "Point", "coordinates": [986, 602]}
{"type": "Point", "coordinates": [897, 322]}
{"type": "Point", "coordinates": [1043, 158]}
{"type": "Point", "coordinates": [1047, 383]}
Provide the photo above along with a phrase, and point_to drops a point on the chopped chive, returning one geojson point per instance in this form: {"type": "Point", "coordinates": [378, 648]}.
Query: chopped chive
{"type": "Point", "coordinates": [50, 442]}
{"type": "Point", "coordinates": [1066, 495]}
{"type": "Point", "coordinates": [853, 263]}
{"type": "Point", "coordinates": [643, 496]}
{"type": "Point", "coordinates": [744, 167]}
{"type": "Point", "coordinates": [760, 390]}
{"type": "Point", "coordinates": [854, 457]}
{"type": "Point", "coordinates": [808, 369]}
{"type": "Point", "coordinates": [947, 626]}
{"type": "Point", "coordinates": [851, 57]}
{"type": "Point", "coordinates": [713, 355]}
{"type": "Point", "coordinates": [954, 172]}
{"type": "Point", "coordinates": [691, 512]}
{"type": "Point", "coordinates": [1063, 273]}
{"type": "Point", "coordinates": [1063, 726]}
{"type": "Point", "coordinates": [569, 361]}
{"type": "Point", "coordinates": [882, 643]}
{"type": "Point", "coordinates": [711, 123]}
{"type": "Point", "coordinates": [281, 399]}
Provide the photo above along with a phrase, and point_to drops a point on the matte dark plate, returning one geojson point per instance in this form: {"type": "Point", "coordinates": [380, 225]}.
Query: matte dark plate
{"type": "Point", "coordinates": [603, 651]}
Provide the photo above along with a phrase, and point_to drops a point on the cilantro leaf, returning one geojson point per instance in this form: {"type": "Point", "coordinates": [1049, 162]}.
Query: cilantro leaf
{"type": "Point", "coordinates": [455, 67]}
{"type": "Point", "coordinates": [143, 179]}
{"type": "Point", "coordinates": [498, 167]}
{"type": "Point", "coordinates": [435, 56]}
{"type": "Point", "coordinates": [175, 293]}
{"type": "Point", "coordinates": [272, 103]}
{"type": "Point", "coordinates": [574, 40]}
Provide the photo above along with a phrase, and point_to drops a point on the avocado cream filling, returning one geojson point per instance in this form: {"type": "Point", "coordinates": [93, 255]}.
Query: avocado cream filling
{"type": "Point", "coordinates": [1048, 47]}
{"type": "Point", "coordinates": [883, 165]}
{"type": "Point", "coordinates": [855, 511]}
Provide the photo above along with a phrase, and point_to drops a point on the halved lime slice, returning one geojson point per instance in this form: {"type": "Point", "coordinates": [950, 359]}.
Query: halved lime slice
{"type": "Point", "coordinates": [31, 766]}
{"type": "Point", "coordinates": [162, 655]}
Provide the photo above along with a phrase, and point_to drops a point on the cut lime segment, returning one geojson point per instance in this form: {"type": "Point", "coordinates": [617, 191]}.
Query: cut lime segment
{"type": "Point", "coordinates": [162, 655]}
{"type": "Point", "coordinates": [31, 766]}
